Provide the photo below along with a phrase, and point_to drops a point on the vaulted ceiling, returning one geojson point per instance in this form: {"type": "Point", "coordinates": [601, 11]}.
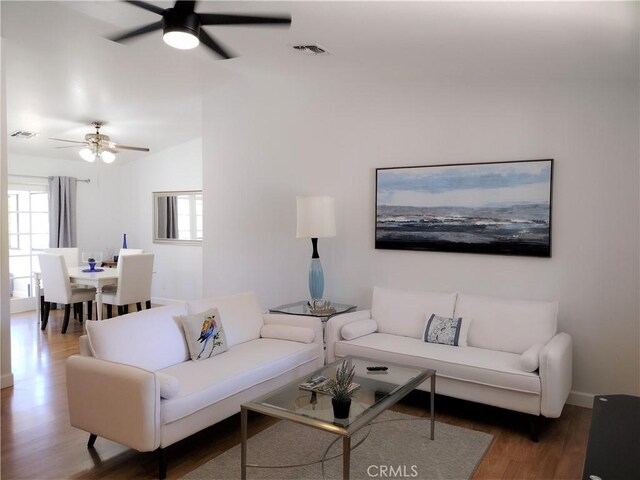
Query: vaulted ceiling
{"type": "Point", "coordinates": [62, 74]}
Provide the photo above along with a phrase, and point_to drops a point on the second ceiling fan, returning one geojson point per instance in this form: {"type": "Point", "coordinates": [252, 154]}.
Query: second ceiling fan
{"type": "Point", "coordinates": [182, 25]}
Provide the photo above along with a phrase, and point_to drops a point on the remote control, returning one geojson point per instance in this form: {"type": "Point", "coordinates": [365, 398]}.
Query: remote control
{"type": "Point", "coordinates": [377, 369]}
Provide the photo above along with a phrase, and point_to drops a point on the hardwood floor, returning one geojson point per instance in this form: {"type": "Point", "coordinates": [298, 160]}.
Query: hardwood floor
{"type": "Point", "coordinates": [38, 442]}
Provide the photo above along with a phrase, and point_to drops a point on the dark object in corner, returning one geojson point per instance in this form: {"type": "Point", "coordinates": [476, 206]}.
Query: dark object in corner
{"type": "Point", "coordinates": [614, 438]}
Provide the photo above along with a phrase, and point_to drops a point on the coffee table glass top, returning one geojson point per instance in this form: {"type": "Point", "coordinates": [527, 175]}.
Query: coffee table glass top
{"type": "Point", "coordinates": [303, 308]}
{"type": "Point", "coordinates": [377, 392]}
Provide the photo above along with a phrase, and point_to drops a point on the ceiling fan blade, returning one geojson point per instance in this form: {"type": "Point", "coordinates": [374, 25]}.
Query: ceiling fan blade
{"type": "Point", "coordinates": [223, 19]}
{"type": "Point", "coordinates": [127, 147]}
{"type": "Point", "coordinates": [213, 45]}
{"type": "Point", "coordinates": [72, 146]}
{"type": "Point", "coordinates": [70, 141]}
{"type": "Point", "coordinates": [146, 6]}
{"type": "Point", "coordinates": [185, 6]}
{"type": "Point", "coordinates": [138, 31]}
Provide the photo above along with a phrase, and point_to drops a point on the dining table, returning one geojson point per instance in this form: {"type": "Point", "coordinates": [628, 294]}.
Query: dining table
{"type": "Point", "coordinates": [82, 276]}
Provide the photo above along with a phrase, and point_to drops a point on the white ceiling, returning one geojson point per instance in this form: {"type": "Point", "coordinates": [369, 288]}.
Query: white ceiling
{"type": "Point", "coordinates": [62, 74]}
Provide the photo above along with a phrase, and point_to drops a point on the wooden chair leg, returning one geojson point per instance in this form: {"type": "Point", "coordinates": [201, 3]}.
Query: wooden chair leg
{"type": "Point", "coordinates": [42, 302]}
{"type": "Point", "coordinates": [90, 310]}
{"type": "Point", "coordinates": [67, 314]}
{"type": "Point", "coordinates": [162, 465]}
{"type": "Point", "coordinates": [109, 310]}
{"type": "Point", "coordinates": [148, 304]}
{"type": "Point", "coordinates": [139, 306]}
{"type": "Point", "coordinates": [80, 311]}
{"type": "Point", "coordinates": [125, 308]}
{"type": "Point", "coordinates": [120, 310]}
{"type": "Point", "coordinates": [45, 319]}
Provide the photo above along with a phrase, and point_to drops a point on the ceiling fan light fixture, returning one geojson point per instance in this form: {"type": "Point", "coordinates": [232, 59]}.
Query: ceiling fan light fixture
{"type": "Point", "coordinates": [107, 156]}
{"type": "Point", "coordinates": [180, 39]}
{"type": "Point", "coordinates": [87, 154]}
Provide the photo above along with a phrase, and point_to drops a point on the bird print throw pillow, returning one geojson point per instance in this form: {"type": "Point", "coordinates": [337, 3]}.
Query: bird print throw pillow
{"type": "Point", "coordinates": [204, 334]}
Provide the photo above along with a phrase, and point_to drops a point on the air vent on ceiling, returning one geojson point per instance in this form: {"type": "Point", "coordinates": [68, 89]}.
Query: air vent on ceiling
{"type": "Point", "coordinates": [310, 49]}
{"type": "Point", "coordinates": [23, 134]}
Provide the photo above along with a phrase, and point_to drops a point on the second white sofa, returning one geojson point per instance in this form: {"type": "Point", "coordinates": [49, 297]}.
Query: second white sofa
{"type": "Point", "coordinates": [135, 383]}
{"type": "Point", "coordinates": [514, 356]}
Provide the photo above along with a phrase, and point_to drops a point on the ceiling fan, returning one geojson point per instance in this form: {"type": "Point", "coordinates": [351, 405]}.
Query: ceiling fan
{"type": "Point", "coordinates": [182, 26]}
{"type": "Point", "coordinates": [97, 145]}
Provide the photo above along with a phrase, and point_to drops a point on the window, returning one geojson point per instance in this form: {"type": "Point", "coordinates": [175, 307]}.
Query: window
{"type": "Point", "coordinates": [28, 235]}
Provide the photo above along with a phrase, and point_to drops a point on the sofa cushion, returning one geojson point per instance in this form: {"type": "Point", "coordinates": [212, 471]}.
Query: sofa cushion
{"type": "Point", "coordinates": [403, 312]}
{"type": "Point", "coordinates": [204, 333]}
{"type": "Point", "coordinates": [507, 325]}
{"type": "Point", "coordinates": [287, 332]}
{"type": "Point", "coordinates": [467, 364]}
{"type": "Point", "coordinates": [240, 368]}
{"type": "Point", "coordinates": [358, 328]}
{"type": "Point", "coordinates": [151, 339]}
{"type": "Point", "coordinates": [241, 315]}
{"type": "Point", "coordinates": [447, 331]}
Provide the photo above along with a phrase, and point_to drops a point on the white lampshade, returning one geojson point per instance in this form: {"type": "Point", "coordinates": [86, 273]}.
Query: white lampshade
{"type": "Point", "coordinates": [107, 156]}
{"type": "Point", "coordinates": [180, 40]}
{"type": "Point", "coordinates": [316, 217]}
{"type": "Point", "coordinates": [87, 154]}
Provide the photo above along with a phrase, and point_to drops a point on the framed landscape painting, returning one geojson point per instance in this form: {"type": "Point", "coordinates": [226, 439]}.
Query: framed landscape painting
{"type": "Point", "coordinates": [497, 208]}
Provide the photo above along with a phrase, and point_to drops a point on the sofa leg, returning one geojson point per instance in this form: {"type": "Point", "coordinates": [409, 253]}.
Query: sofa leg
{"type": "Point", "coordinates": [534, 427]}
{"type": "Point", "coordinates": [162, 465]}
{"type": "Point", "coordinates": [92, 440]}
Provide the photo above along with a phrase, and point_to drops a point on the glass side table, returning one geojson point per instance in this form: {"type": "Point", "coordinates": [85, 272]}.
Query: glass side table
{"type": "Point", "coordinates": [303, 308]}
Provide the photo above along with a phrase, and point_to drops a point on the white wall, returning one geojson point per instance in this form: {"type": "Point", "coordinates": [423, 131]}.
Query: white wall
{"type": "Point", "coordinates": [178, 268]}
{"type": "Point", "coordinates": [6, 375]}
{"type": "Point", "coordinates": [269, 140]}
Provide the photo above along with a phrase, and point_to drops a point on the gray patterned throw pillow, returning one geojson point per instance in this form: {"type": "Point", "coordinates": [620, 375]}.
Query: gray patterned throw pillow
{"type": "Point", "coordinates": [443, 330]}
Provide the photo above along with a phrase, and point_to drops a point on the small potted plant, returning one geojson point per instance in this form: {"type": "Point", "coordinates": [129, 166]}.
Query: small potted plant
{"type": "Point", "coordinates": [92, 263]}
{"type": "Point", "coordinates": [342, 390]}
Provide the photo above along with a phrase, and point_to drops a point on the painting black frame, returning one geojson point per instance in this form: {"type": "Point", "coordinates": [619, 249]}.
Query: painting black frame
{"type": "Point", "coordinates": [537, 244]}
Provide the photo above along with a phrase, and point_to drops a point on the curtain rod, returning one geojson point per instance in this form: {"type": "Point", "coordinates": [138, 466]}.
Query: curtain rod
{"type": "Point", "coordinates": [86, 180]}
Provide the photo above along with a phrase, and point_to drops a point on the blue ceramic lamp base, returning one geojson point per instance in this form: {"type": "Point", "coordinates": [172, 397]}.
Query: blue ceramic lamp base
{"type": "Point", "coordinates": [316, 279]}
{"type": "Point", "coordinates": [316, 275]}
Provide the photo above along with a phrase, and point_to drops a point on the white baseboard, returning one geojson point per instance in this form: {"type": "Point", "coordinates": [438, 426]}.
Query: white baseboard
{"type": "Point", "coordinates": [581, 399]}
{"type": "Point", "coordinates": [6, 380]}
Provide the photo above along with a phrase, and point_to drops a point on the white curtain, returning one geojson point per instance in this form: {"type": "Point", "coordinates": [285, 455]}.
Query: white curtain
{"type": "Point", "coordinates": [62, 212]}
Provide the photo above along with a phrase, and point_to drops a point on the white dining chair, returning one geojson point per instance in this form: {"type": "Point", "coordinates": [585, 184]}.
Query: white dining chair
{"type": "Point", "coordinates": [130, 251]}
{"type": "Point", "coordinates": [58, 289]}
{"type": "Point", "coordinates": [71, 255]}
{"type": "Point", "coordinates": [134, 283]}
{"type": "Point", "coordinates": [72, 259]}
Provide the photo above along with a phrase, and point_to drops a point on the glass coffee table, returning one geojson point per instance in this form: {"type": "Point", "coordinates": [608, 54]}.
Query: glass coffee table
{"type": "Point", "coordinates": [377, 392]}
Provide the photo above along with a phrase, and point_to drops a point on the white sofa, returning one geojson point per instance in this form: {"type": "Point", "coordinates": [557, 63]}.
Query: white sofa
{"type": "Point", "coordinates": [127, 366]}
{"type": "Point", "coordinates": [515, 358]}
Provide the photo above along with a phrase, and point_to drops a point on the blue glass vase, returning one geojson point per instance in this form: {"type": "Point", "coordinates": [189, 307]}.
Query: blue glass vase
{"type": "Point", "coordinates": [124, 241]}
{"type": "Point", "coordinates": [316, 279]}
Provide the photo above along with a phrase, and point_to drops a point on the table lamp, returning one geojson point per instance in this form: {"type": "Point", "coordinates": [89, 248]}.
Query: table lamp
{"type": "Point", "coordinates": [316, 219]}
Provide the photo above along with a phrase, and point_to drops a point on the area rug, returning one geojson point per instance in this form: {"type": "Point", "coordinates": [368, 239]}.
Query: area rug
{"type": "Point", "coordinates": [394, 446]}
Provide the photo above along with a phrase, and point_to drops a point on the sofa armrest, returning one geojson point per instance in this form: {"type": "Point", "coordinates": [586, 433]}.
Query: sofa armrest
{"type": "Point", "coordinates": [556, 360]}
{"type": "Point", "coordinates": [300, 321]}
{"type": "Point", "coordinates": [115, 401]}
{"type": "Point", "coordinates": [85, 346]}
{"type": "Point", "coordinates": [334, 326]}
